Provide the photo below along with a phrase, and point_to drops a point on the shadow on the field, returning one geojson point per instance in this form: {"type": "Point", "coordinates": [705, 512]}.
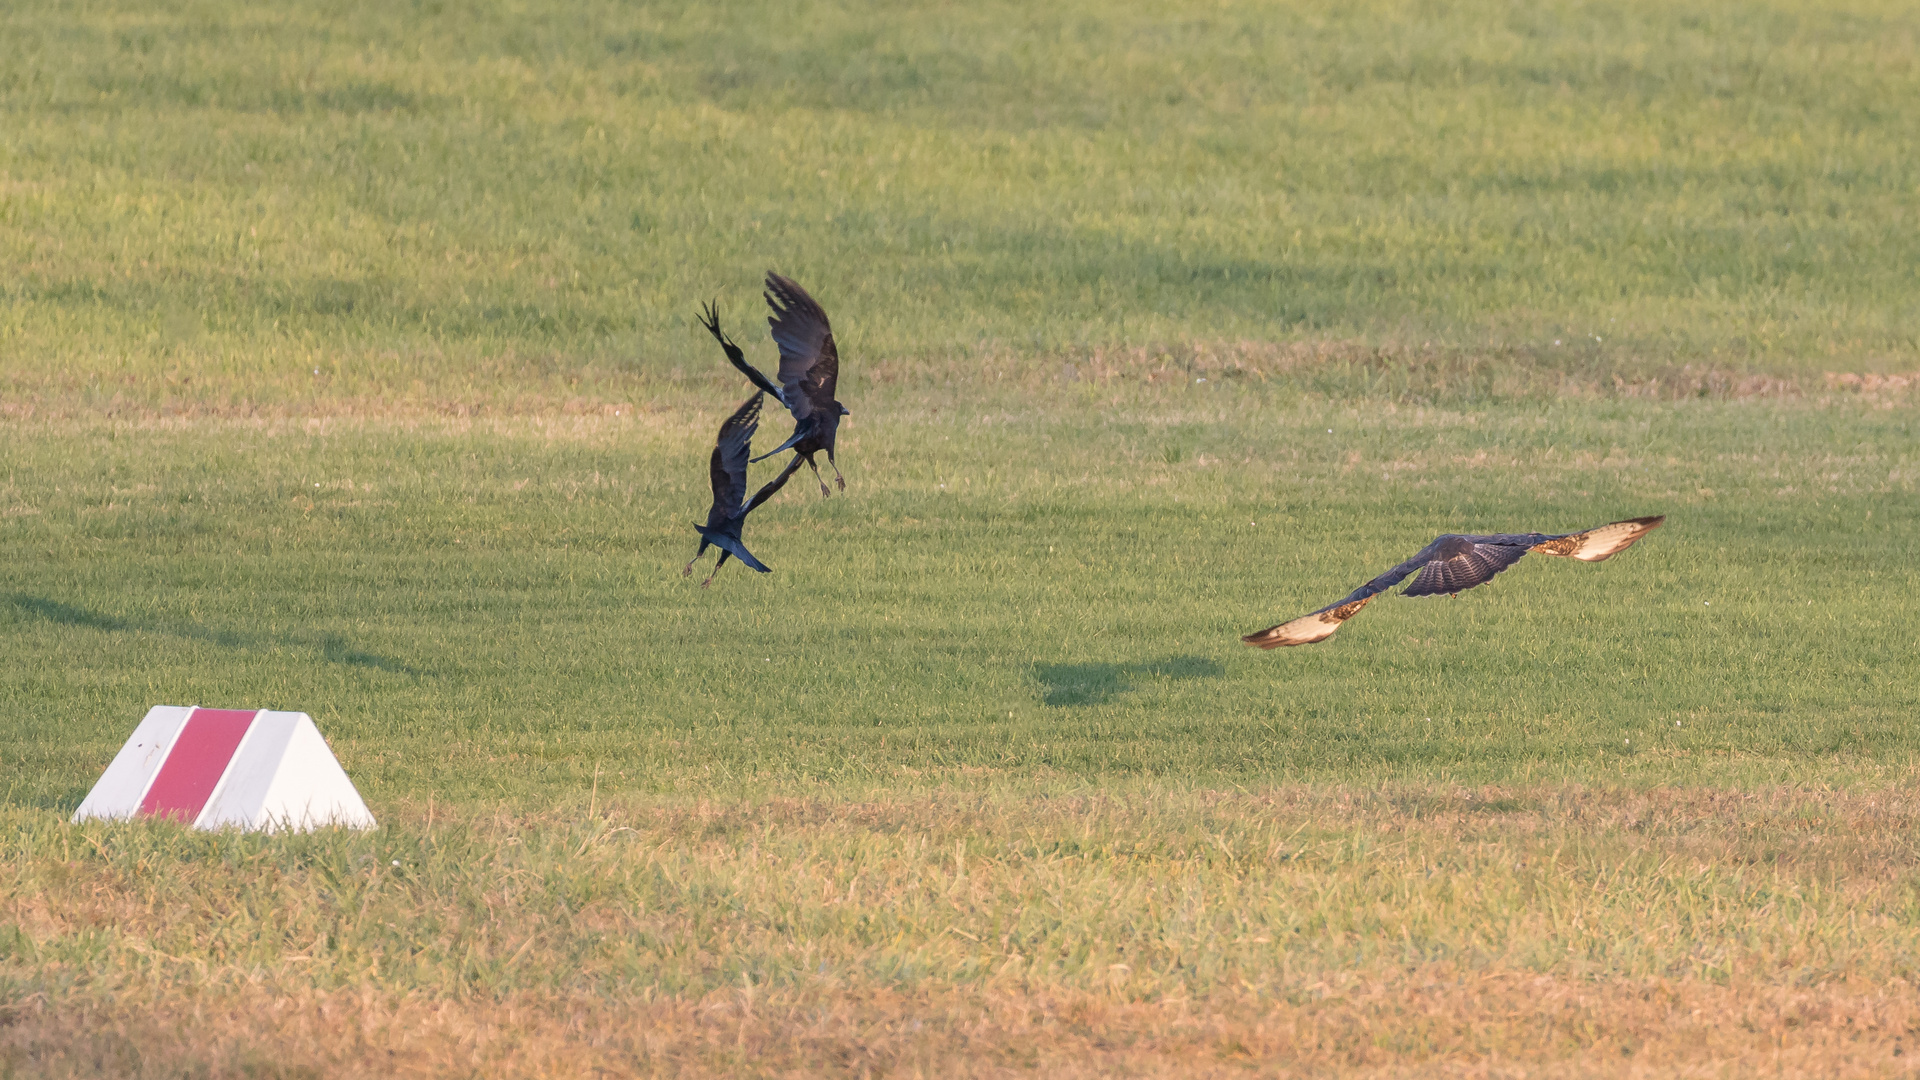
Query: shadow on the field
{"type": "Point", "coordinates": [1182, 667]}
{"type": "Point", "coordinates": [331, 647]}
{"type": "Point", "coordinates": [1097, 684]}
{"type": "Point", "coordinates": [1081, 684]}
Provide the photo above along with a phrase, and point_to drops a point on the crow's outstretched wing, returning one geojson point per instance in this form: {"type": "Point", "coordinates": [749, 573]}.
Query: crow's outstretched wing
{"type": "Point", "coordinates": [710, 318]}
{"type": "Point", "coordinates": [768, 489]}
{"type": "Point", "coordinates": [809, 363]}
{"type": "Point", "coordinates": [826, 381]}
{"type": "Point", "coordinates": [728, 468]}
{"type": "Point", "coordinates": [1453, 564]}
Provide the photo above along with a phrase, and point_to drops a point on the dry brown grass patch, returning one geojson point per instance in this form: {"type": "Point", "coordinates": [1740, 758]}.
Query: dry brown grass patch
{"type": "Point", "coordinates": [1546, 930]}
{"type": "Point", "coordinates": [1434, 1021]}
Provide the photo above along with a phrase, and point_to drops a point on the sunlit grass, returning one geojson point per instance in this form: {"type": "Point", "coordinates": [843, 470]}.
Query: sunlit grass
{"type": "Point", "coordinates": [346, 365]}
{"type": "Point", "coordinates": [209, 202]}
{"type": "Point", "coordinates": [1345, 930]}
{"type": "Point", "coordinates": [1029, 590]}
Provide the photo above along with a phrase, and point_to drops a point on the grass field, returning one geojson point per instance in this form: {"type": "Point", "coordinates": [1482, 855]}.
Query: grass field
{"type": "Point", "coordinates": [495, 609]}
{"type": "Point", "coordinates": [347, 365]}
{"type": "Point", "coordinates": [980, 780]}
{"type": "Point", "coordinates": [211, 203]}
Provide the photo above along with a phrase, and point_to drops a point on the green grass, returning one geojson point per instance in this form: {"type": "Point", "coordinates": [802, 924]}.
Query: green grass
{"type": "Point", "coordinates": [346, 365]}
{"type": "Point", "coordinates": [1029, 592]}
{"type": "Point", "coordinates": [206, 202]}
{"type": "Point", "coordinates": [980, 781]}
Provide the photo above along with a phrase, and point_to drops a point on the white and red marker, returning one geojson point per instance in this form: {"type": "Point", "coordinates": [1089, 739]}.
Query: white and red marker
{"type": "Point", "coordinates": [227, 768]}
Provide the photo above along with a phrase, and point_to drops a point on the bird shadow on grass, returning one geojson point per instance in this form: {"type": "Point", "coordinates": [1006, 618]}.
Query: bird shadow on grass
{"type": "Point", "coordinates": [1097, 684]}
{"type": "Point", "coordinates": [331, 647]}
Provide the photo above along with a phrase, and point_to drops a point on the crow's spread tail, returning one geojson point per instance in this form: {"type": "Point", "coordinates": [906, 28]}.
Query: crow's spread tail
{"type": "Point", "coordinates": [727, 543]}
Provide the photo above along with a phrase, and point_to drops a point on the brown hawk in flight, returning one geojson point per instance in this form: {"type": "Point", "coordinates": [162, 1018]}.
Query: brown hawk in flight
{"type": "Point", "coordinates": [1453, 564]}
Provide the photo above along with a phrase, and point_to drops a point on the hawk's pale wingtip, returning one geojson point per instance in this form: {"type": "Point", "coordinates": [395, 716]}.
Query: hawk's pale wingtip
{"type": "Point", "coordinates": [1601, 542]}
{"type": "Point", "coordinates": [1307, 629]}
{"type": "Point", "coordinates": [1293, 633]}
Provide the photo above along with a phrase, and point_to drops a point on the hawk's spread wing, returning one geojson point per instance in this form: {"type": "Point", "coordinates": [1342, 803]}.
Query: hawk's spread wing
{"type": "Point", "coordinates": [809, 363]}
{"type": "Point", "coordinates": [728, 468]}
{"type": "Point", "coordinates": [1600, 543]}
{"type": "Point", "coordinates": [1320, 625]}
{"type": "Point", "coordinates": [1307, 629]}
{"type": "Point", "coordinates": [1453, 564]}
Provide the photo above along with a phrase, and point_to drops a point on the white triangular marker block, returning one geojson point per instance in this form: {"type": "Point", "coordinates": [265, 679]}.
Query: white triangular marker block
{"type": "Point", "coordinates": [222, 768]}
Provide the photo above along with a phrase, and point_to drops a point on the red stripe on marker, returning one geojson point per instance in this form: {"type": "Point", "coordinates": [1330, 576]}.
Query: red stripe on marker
{"type": "Point", "coordinates": [197, 761]}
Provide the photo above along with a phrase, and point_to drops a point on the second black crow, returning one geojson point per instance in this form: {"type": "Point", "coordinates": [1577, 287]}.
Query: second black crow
{"type": "Point", "coordinates": [728, 471]}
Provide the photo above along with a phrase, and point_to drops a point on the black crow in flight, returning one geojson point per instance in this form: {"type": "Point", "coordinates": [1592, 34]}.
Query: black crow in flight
{"type": "Point", "coordinates": [1453, 564]}
{"type": "Point", "coordinates": [809, 372]}
{"type": "Point", "coordinates": [728, 470]}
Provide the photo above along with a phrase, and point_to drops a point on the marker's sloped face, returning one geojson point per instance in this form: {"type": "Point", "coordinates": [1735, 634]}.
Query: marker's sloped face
{"type": "Point", "coordinates": [227, 768]}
